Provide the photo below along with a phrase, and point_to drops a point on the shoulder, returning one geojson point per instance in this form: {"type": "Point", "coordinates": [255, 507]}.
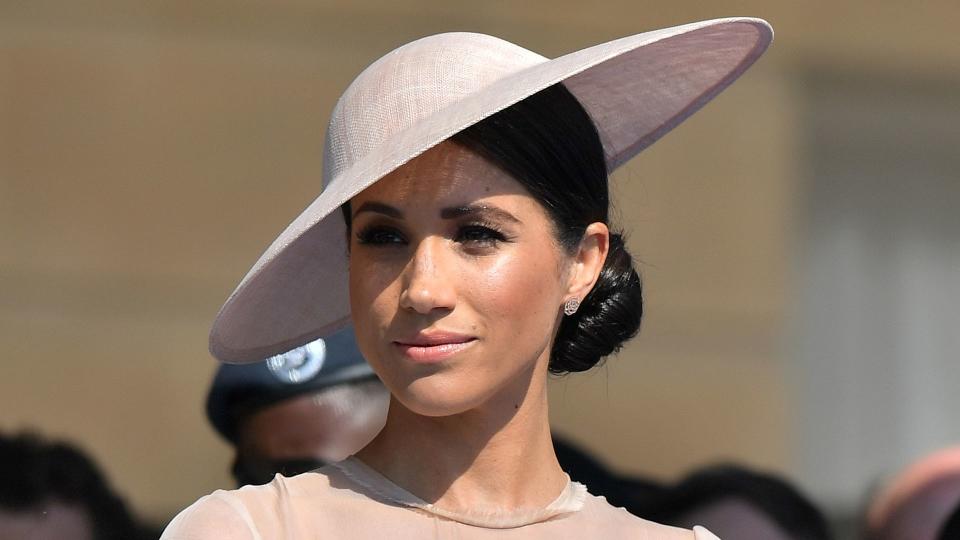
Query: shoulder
{"type": "Point", "coordinates": [253, 512]}
{"type": "Point", "coordinates": [217, 515]}
{"type": "Point", "coordinates": [618, 523]}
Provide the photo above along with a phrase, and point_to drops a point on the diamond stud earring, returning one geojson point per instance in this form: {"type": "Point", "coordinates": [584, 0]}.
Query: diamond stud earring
{"type": "Point", "coordinates": [571, 306]}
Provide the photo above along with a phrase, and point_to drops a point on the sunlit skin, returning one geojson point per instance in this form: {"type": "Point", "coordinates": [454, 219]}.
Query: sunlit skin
{"type": "Point", "coordinates": [457, 284]}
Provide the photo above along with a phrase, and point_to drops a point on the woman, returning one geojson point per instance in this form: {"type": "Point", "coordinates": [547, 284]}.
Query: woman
{"type": "Point", "coordinates": [474, 240]}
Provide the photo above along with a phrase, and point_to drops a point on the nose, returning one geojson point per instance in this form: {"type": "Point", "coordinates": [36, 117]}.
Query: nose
{"type": "Point", "coordinates": [427, 283]}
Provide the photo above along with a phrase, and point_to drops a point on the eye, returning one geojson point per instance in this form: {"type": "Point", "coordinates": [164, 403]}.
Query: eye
{"type": "Point", "coordinates": [380, 236]}
{"type": "Point", "coordinates": [479, 235]}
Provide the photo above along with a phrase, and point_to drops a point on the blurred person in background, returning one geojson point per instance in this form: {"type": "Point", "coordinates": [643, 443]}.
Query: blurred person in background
{"type": "Point", "coordinates": [732, 501]}
{"type": "Point", "coordinates": [52, 490]}
{"type": "Point", "coordinates": [297, 411]}
{"type": "Point", "coordinates": [741, 504]}
{"type": "Point", "coordinates": [917, 503]}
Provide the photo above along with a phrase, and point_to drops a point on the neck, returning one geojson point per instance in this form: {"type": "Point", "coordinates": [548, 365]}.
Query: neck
{"type": "Point", "coordinates": [498, 455]}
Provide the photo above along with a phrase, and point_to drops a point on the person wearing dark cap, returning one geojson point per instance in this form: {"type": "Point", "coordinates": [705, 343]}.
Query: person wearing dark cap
{"type": "Point", "coordinates": [297, 411]}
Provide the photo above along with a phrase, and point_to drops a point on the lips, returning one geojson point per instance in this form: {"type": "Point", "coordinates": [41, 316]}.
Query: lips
{"type": "Point", "coordinates": [433, 347]}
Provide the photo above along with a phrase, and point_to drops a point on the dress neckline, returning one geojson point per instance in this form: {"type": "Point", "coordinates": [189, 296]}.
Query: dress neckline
{"type": "Point", "coordinates": [571, 499]}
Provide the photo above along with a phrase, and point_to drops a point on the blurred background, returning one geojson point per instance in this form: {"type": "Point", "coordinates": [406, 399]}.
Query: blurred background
{"type": "Point", "coordinates": [799, 237]}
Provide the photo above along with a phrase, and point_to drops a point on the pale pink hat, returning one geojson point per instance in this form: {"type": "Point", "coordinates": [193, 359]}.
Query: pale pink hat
{"type": "Point", "coordinates": [635, 89]}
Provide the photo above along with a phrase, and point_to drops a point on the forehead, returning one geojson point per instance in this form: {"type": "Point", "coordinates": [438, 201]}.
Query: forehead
{"type": "Point", "coordinates": [447, 173]}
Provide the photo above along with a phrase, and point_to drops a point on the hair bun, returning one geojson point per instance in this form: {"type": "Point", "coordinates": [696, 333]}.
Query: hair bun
{"type": "Point", "coordinates": [608, 316]}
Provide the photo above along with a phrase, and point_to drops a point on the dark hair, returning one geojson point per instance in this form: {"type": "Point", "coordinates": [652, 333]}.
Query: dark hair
{"type": "Point", "coordinates": [34, 473]}
{"type": "Point", "coordinates": [769, 494]}
{"type": "Point", "coordinates": [550, 145]}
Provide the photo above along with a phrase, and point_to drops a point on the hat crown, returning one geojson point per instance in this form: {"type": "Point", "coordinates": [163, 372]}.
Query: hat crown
{"type": "Point", "coordinates": [409, 85]}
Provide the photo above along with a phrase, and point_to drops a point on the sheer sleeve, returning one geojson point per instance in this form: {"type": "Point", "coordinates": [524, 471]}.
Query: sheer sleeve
{"type": "Point", "coordinates": [212, 517]}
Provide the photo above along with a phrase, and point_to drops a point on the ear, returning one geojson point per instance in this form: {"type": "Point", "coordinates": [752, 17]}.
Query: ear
{"type": "Point", "coordinates": [588, 260]}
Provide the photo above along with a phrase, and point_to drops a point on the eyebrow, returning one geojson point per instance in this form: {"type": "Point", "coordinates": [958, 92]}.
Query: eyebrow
{"type": "Point", "coordinates": [478, 209]}
{"type": "Point", "coordinates": [445, 213]}
{"type": "Point", "coordinates": [378, 208]}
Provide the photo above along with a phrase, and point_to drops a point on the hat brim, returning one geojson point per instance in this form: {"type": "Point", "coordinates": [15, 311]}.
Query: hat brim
{"type": "Point", "coordinates": [635, 89]}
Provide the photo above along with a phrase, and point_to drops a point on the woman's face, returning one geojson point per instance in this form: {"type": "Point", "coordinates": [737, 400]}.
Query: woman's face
{"type": "Point", "coordinates": [456, 281]}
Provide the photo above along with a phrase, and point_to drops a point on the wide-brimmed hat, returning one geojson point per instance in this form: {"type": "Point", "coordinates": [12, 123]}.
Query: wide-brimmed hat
{"type": "Point", "coordinates": [635, 90]}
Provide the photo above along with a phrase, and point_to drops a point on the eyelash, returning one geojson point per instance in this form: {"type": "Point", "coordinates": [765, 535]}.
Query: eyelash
{"type": "Point", "coordinates": [376, 236]}
{"type": "Point", "coordinates": [476, 234]}
{"type": "Point", "coordinates": [490, 235]}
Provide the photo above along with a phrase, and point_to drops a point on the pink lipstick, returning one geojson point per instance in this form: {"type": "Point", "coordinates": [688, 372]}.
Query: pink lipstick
{"type": "Point", "coordinates": [433, 347]}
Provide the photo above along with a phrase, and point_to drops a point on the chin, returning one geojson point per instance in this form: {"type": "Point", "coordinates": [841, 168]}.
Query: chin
{"type": "Point", "coordinates": [436, 397]}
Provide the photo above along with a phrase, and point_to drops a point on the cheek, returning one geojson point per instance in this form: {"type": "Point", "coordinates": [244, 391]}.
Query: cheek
{"type": "Point", "coordinates": [518, 290]}
{"type": "Point", "coordinates": [366, 284]}
{"type": "Point", "coordinates": [373, 277]}
{"type": "Point", "coordinates": [373, 300]}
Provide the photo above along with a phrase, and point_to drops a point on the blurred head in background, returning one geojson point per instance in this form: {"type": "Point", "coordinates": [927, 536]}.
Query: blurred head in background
{"type": "Point", "coordinates": [731, 501]}
{"type": "Point", "coordinates": [738, 503]}
{"type": "Point", "coordinates": [297, 411]}
{"type": "Point", "coordinates": [53, 490]}
{"type": "Point", "coordinates": [918, 502]}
